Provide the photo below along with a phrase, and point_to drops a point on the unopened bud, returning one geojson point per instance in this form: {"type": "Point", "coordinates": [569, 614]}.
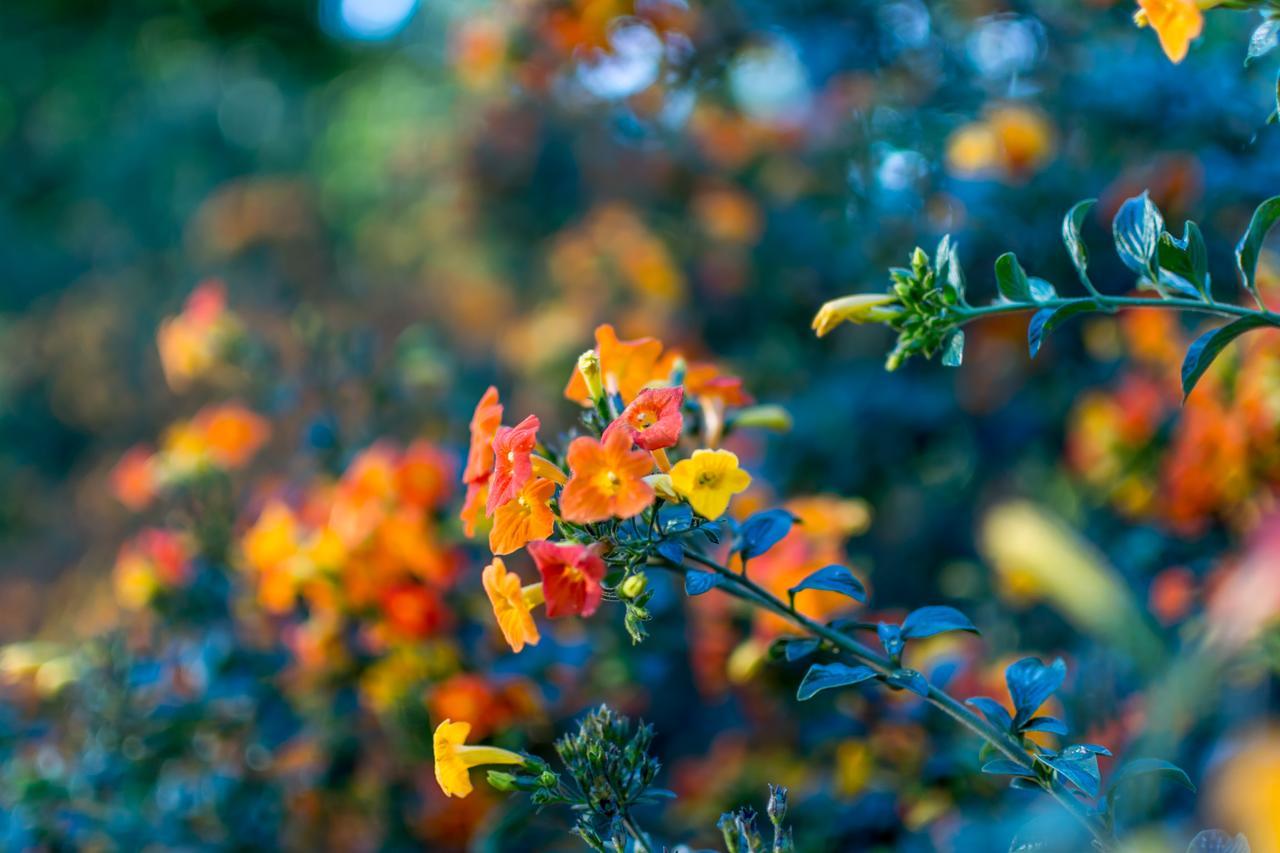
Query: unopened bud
{"type": "Point", "coordinates": [774, 418]}
{"type": "Point", "coordinates": [589, 367]}
{"type": "Point", "coordinates": [777, 808]}
{"type": "Point", "coordinates": [547, 779]}
{"type": "Point", "coordinates": [500, 781]}
{"type": "Point", "coordinates": [633, 586]}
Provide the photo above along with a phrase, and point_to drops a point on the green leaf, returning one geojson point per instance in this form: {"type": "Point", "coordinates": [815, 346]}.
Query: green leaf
{"type": "Point", "coordinates": [1046, 320]}
{"type": "Point", "coordinates": [1184, 264]}
{"type": "Point", "coordinates": [1146, 767]}
{"type": "Point", "coordinates": [1041, 290]}
{"type": "Point", "coordinates": [1250, 245]}
{"type": "Point", "coordinates": [1264, 39]}
{"type": "Point", "coordinates": [824, 676]}
{"type": "Point", "coordinates": [833, 578]}
{"type": "Point", "coordinates": [948, 271]}
{"type": "Point", "coordinates": [1071, 225]}
{"type": "Point", "coordinates": [1206, 348]}
{"type": "Point", "coordinates": [1011, 279]}
{"type": "Point", "coordinates": [953, 350]}
{"type": "Point", "coordinates": [696, 583]}
{"type": "Point", "coordinates": [927, 621]}
{"type": "Point", "coordinates": [1136, 229]}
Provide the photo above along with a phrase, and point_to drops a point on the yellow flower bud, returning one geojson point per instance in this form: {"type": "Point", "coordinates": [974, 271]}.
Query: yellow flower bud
{"type": "Point", "coordinates": [858, 308]}
{"type": "Point", "coordinates": [589, 367]}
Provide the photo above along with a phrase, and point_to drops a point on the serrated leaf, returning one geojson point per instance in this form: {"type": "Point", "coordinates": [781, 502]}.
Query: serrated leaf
{"type": "Point", "coordinates": [1136, 229]}
{"type": "Point", "coordinates": [1031, 683]}
{"type": "Point", "coordinates": [1005, 767]}
{"type": "Point", "coordinates": [937, 619]}
{"type": "Point", "coordinates": [763, 530]}
{"type": "Point", "coordinates": [824, 676]}
{"type": "Point", "coordinates": [1051, 725]}
{"type": "Point", "coordinates": [953, 349]}
{"type": "Point", "coordinates": [799, 649]}
{"type": "Point", "coordinates": [1205, 349]}
{"type": "Point", "coordinates": [995, 713]}
{"type": "Point", "coordinates": [1046, 320]}
{"type": "Point", "coordinates": [1071, 225]}
{"type": "Point", "coordinates": [833, 578]}
{"type": "Point", "coordinates": [696, 583]}
{"type": "Point", "coordinates": [1250, 245]}
{"type": "Point", "coordinates": [909, 679]}
{"type": "Point", "coordinates": [1264, 39]}
{"type": "Point", "coordinates": [1011, 279]}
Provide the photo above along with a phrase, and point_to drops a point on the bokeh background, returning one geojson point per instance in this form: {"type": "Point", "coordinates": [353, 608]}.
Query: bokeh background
{"type": "Point", "coordinates": [383, 206]}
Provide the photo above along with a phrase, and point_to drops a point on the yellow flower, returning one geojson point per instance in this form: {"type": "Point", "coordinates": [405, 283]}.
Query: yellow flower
{"type": "Point", "coordinates": [512, 604]}
{"type": "Point", "coordinates": [858, 308]}
{"type": "Point", "coordinates": [1176, 22]}
{"type": "Point", "coordinates": [708, 479]}
{"type": "Point", "coordinates": [454, 758]}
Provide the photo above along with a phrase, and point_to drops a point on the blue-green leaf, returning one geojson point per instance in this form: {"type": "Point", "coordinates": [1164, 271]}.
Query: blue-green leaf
{"type": "Point", "coordinates": [763, 530]}
{"type": "Point", "coordinates": [908, 679]}
{"type": "Point", "coordinates": [1081, 772]}
{"type": "Point", "coordinates": [890, 639]}
{"type": "Point", "coordinates": [1052, 725]}
{"type": "Point", "coordinates": [1071, 225]}
{"type": "Point", "coordinates": [1184, 264]}
{"type": "Point", "coordinates": [696, 583]}
{"type": "Point", "coordinates": [1031, 683]}
{"type": "Point", "coordinates": [1250, 245]}
{"type": "Point", "coordinates": [1046, 320]}
{"type": "Point", "coordinates": [995, 713]}
{"type": "Point", "coordinates": [1005, 767]}
{"type": "Point", "coordinates": [824, 676]}
{"type": "Point", "coordinates": [1137, 228]}
{"type": "Point", "coordinates": [1011, 279]}
{"type": "Point", "coordinates": [833, 578]}
{"type": "Point", "coordinates": [1217, 841]}
{"type": "Point", "coordinates": [1148, 766]}
{"type": "Point", "coordinates": [947, 270]}
{"type": "Point", "coordinates": [953, 349]}
{"type": "Point", "coordinates": [1206, 348]}
{"type": "Point", "coordinates": [800, 648]}
{"type": "Point", "coordinates": [1264, 39]}
{"type": "Point", "coordinates": [927, 621]}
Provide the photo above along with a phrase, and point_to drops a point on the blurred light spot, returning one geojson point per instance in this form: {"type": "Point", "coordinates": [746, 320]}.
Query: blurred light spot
{"type": "Point", "coordinates": [900, 170]}
{"type": "Point", "coordinates": [1005, 45]}
{"type": "Point", "coordinates": [250, 112]}
{"type": "Point", "coordinates": [769, 82]}
{"type": "Point", "coordinates": [371, 20]}
{"type": "Point", "coordinates": [906, 24]}
{"type": "Point", "coordinates": [630, 66]}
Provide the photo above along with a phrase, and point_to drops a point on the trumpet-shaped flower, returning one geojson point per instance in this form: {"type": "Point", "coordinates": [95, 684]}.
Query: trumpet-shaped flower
{"type": "Point", "coordinates": [512, 466]}
{"type": "Point", "coordinates": [626, 366]}
{"type": "Point", "coordinates": [454, 758]}
{"type": "Point", "coordinates": [571, 576]}
{"type": "Point", "coordinates": [859, 308]}
{"type": "Point", "coordinates": [653, 418]}
{"type": "Point", "coordinates": [1177, 23]}
{"type": "Point", "coordinates": [484, 427]}
{"type": "Point", "coordinates": [512, 604]}
{"type": "Point", "coordinates": [708, 480]}
{"type": "Point", "coordinates": [524, 518]}
{"type": "Point", "coordinates": [608, 479]}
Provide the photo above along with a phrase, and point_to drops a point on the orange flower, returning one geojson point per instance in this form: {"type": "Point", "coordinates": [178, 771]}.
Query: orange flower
{"type": "Point", "coordinates": [484, 426]}
{"type": "Point", "coordinates": [133, 480]}
{"type": "Point", "coordinates": [524, 518]}
{"type": "Point", "coordinates": [424, 475]}
{"type": "Point", "coordinates": [231, 433]}
{"type": "Point", "coordinates": [1176, 22]}
{"type": "Point", "coordinates": [653, 418]}
{"type": "Point", "coordinates": [512, 604]}
{"type": "Point", "coordinates": [473, 506]}
{"type": "Point", "coordinates": [413, 610]}
{"type": "Point", "coordinates": [571, 576]}
{"type": "Point", "coordinates": [627, 366]}
{"type": "Point", "coordinates": [512, 467]}
{"type": "Point", "coordinates": [608, 479]}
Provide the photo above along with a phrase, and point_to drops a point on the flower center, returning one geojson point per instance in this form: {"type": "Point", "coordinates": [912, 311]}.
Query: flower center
{"type": "Point", "coordinates": [708, 479]}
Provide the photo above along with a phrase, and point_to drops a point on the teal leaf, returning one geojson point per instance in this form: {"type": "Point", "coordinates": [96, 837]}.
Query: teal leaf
{"type": "Point", "coordinates": [1051, 725]}
{"type": "Point", "coordinates": [1031, 683]}
{"type": "Point", "coordinates": [947, 270]}
{"type": "Point", "coordinates": [908, 679]}
{"type": "Point", "coordinates": [1046, 320]}
{"type": "Point", "coordinates": [696, 583]}
{"type": "Point", "coordinates": [763, 530]}
{"type": "Point", "coordinates": [1005, 767]}
{"type": "Point", "coordinates": [1041, 290]}
{"type": "Point", "coordinates": [1012, 279]}
{"type": "Point", "coordinates": [1184, 264]}
{"type": "Point", "coordinates": [953, 349]}
{"type": "Point", "coordinates": [1136, 229]}
{"type": "Point", "coordinates": [927, 621]}
{"type": "Point", "coordinates": [824, 676]}
{"type": "Point", "coordinates": [1145, 767]}
{"type": "Point", "coordinates": [800, 648]}
{"type": "Point", "coordinates": [1081, 772]}
{"type": "Point", "coordinates": [833, 578]}
{"type": "Point", "coordinates": [891, 639]}
{"type": "Point", "coordinates": [1206, 348]}
{"type": "Point", "coordinates": [1071, 225]}
{"type": "Point", "coordinates": [1250, 245]}
{"type": "Point", "coordinates": [671, 551]}
{"type": "Point", "coordinates": [1264, 39]}
{"type": "Point", "coordinates": [995, 713]}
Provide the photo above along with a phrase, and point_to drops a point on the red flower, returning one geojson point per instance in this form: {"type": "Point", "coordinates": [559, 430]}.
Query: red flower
{"type": "Point", "coordinates": [413, 611]}
{"type": "Point", "coordinates": [512, 466]}
{"type": "Point", "coordinates": [571, 576]}
{"type": "Point", "coordinates": [653, 419]}
{"type": "Point", "coordinates": [484, 425]}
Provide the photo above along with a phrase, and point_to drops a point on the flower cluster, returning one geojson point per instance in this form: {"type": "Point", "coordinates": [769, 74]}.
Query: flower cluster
{"type": "Point", "coordinates": [195, 342]}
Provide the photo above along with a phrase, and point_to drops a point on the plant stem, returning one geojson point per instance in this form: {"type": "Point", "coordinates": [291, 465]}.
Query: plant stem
{"type": "Point", "coordinates": [748, 590]}
{"type": "Point", "coordinates": [642, 842]}
{"type": "Point", "coordinates": [969, 313]}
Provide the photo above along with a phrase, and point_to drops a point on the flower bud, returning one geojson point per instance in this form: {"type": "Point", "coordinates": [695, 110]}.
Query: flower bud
{"type": "Point", "coordinates": [500, 781]}
{"type": "Point", "coordinates": [777, 808]}
{"type": "Point", "coordinates": [547, 779]}
{"type": "Point", "coordinates": [589, 367]}
{"type": "Point", "coordinates": [661, 485]}
{"type": "Point", "coordinates": [859, 308]}
{"type": "Point", "coordinates": [633, 586]}
{"type": "Point", "coordinates": [773, 418]}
